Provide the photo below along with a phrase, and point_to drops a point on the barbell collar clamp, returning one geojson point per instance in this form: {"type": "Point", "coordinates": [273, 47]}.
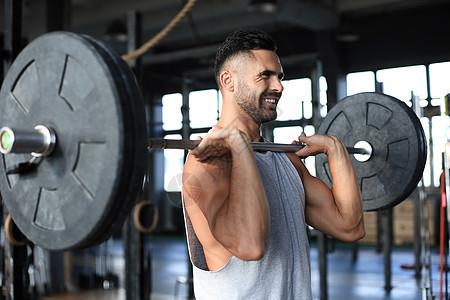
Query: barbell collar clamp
{"type": "Point", "coordinates": [39, 142]}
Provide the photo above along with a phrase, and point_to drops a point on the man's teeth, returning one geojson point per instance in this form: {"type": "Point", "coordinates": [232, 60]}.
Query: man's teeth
{"type": "Point", "coordinates": [270, 100]}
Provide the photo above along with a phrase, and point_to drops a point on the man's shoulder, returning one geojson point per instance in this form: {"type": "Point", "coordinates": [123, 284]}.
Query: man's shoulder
{"type": "Point", "coordinates": [298, 164]}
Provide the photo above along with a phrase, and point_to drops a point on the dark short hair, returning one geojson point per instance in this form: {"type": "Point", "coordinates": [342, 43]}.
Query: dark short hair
{"type": "Point", "coordinates": [242, 40]}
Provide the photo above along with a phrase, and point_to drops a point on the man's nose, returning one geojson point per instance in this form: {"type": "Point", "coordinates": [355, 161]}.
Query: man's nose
{"type": "Point", "coordinates": [276, 85]}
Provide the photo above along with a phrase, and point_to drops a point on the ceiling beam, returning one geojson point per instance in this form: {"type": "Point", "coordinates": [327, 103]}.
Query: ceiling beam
{"type": "Point", "coordinates": [307, 14]}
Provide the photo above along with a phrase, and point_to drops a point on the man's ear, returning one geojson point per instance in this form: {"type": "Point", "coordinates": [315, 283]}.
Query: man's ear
{"type": "Point", "coordinates": [227, 80]}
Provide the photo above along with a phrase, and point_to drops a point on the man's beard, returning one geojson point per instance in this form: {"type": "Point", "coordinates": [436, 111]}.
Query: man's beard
{"type": "Point", "coordinates": [252, 104]}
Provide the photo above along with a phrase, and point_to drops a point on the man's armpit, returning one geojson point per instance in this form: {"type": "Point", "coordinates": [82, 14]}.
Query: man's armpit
{"type": "Point", "coordinates": [203, 178]}
{"type": "Point", "coordinates": [217, 167]}
{"type": "Point", "coordinates": [207, 171]}
{"type": "Point", "coordinates": [192, 188]}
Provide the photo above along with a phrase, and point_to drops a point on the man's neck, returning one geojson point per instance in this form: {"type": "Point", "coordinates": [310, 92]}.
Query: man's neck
{"type": "Point", "coordinates": [249, 127]}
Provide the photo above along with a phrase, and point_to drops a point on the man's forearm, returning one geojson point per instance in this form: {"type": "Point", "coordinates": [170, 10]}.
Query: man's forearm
{"type": "Point", "coordinates": [345, 188]}
{"type": "Point", "coordinates": [242, 222]}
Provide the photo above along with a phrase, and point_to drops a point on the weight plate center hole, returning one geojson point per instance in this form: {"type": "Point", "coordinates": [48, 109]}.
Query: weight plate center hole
{"type": "Point", "coordinates": [368, 151]}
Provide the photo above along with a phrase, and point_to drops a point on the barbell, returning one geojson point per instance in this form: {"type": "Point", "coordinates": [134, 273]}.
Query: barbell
{"type": "Point", "coordinates": [41, 140]}
{"type": "Point", "coordinates": [157, 143]}
{"type": "Point", "coordinates": [74, 142]}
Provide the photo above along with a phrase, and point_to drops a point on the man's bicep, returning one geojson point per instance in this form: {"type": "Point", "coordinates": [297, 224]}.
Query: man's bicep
{"type": "Point", "coordinates": [319, 199]}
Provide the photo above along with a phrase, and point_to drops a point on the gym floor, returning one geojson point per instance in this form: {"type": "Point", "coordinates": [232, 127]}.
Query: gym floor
{"type": "Point", "coordinates": [347, 279]}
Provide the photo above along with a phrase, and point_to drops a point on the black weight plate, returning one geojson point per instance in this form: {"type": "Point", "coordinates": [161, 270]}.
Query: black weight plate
{"type": "Point", "coordinates": [135, 115]}
{"type": "Point", "coordinates": [398, 141]}
{"type": "Point", "coordinates": [73, 196]}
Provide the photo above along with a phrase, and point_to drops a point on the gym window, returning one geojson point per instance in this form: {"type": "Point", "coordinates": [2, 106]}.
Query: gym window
{"type": "Point", "coordinates": [173, 166]}
{"type": "Point", "coordinates": [401, 82]}
{"type": "Point", "coordinates": [360, 82]}
{"type": "Point", "coordinates": [171, 111]}
{"type": "Point", "coordinates": [296, 101]}
{"type": "Point", "coordinates": [204, 108]}
{"type": "Point", "coordinates": [295, 107]}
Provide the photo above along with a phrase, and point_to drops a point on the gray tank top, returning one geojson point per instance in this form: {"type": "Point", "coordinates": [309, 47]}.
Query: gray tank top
{"type": "Point", "coordinates": [284, 272]}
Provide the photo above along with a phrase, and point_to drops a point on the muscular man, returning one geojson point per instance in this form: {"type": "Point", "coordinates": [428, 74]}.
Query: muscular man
{"type": "Point", "coordinates": [246, 211]}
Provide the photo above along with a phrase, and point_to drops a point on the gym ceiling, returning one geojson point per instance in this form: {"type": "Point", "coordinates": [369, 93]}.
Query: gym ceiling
{"type": "Point", "coordinates": [346, 35]}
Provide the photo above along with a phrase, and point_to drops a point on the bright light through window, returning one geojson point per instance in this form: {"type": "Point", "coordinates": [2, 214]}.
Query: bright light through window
{"type": "Point", "coordinates": [203, 108]}
{"type": "Point", "coordinates": [310, 162]}
{"type": "Point", "coordinates": [309, 130]}
{"type": "Point", "coordinates": [171, 111]}
{"type": "Point", "coordinates": [173, 165]}
{"type": "Point", "coordinates": [286, 135]}
{"type": "Point", "coordinates": [360, 82]}
{"type": "Point", "coordinates": [439, 133]}
{"type": "Point", "coordinates": [400, 82]}
{"type": "Point", "coordinates": [439, 82]}
{"type": "Point", "coordinates": [296, 95]}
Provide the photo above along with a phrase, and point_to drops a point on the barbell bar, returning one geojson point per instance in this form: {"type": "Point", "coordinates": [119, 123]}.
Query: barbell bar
{"type": "Point", "coordinates": [159, 143]}
{"type": "Point", "coordinates": [74, 105]}
{"type": "Point", "coordinates": [41, 141]}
